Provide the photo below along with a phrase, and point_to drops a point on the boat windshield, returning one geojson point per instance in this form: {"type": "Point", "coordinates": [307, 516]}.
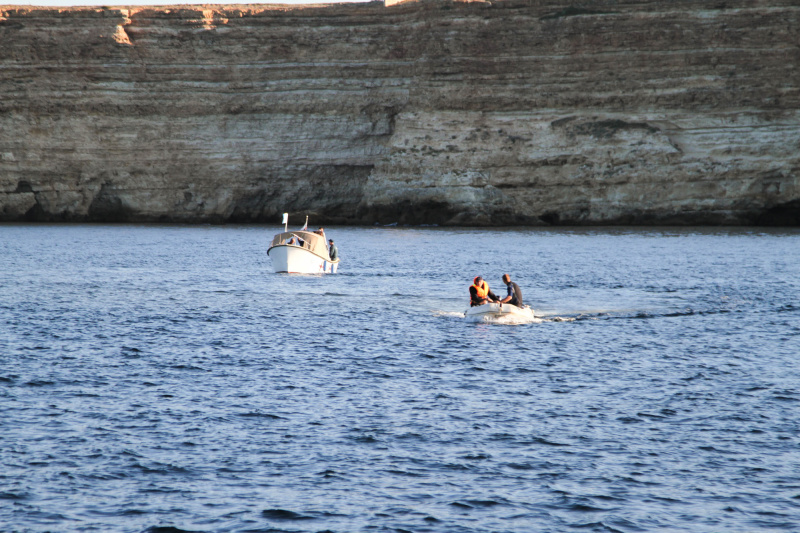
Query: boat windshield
{"type": "Point", "coordinates": [311, 241]}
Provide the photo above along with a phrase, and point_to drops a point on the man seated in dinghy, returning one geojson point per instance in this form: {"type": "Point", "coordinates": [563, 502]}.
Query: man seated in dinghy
{"type": "Point", "coordinates": [514, 292]}
{"type": "Point", "coordinates": [479, 293]}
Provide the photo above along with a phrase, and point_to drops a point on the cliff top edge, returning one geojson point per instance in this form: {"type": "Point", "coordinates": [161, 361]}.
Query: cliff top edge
{"type": "Point", "coordinates": [559, 8]}
{"type": "Point", "coordinates": [231, 7]}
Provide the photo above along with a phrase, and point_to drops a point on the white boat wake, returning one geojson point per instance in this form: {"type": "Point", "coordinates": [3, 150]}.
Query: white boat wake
{"type": "Point", "coordinates": [504, 319]}
{"type": "Point", "coordinates": [501, 319]}
{"type": "Point", "coordinates": [499, 310]}
{"type": "Point", "coordinates": [448, 314]}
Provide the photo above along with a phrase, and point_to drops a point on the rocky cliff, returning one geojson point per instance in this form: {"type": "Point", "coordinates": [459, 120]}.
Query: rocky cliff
{"type": "Point", "coordinates": [437, 112]}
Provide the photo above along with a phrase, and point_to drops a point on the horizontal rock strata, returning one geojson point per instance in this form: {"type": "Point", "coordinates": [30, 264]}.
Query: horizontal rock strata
{"type": "Point", "coordinates": [433, 112]}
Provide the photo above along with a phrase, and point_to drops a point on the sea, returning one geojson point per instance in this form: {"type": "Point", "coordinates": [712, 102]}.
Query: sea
{"type": "Point", "coordinates": [163, 379]}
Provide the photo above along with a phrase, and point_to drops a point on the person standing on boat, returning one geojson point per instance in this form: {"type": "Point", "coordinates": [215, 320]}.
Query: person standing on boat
{"type": "Point", "coordinates": [514, 292]}
{"type": "Point", "coordinates": [333, 253]}
{"type": "Point", "coordinates": [479, 292]}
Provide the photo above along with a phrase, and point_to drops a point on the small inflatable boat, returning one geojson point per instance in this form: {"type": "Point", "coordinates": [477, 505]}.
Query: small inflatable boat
{"type": "Point", "coordinates": [494, 310]}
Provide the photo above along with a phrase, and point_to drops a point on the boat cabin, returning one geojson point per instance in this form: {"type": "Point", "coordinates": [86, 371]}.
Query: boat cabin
{"type": "Point", "coordinates": [313, 242]}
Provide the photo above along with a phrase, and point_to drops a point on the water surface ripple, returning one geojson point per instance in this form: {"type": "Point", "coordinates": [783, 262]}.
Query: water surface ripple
{"type": "Point", "coordinates": [163, 379]}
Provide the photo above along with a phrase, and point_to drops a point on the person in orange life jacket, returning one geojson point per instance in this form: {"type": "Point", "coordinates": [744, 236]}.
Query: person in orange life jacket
{"type": "Point", "coordinates": [514, 293]}
{"type": "Point", "coordinates": [479, 292]}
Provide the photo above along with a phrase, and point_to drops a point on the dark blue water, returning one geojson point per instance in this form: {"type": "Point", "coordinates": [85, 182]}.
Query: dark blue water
{"type": "Point", "coordinates": [164, 379]}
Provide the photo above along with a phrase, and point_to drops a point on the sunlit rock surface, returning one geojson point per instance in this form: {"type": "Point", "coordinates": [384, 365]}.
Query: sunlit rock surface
{"type": "Point", "coordinates": [432, 112]}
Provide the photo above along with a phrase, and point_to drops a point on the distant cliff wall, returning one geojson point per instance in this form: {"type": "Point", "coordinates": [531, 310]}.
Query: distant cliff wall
{"type": "Point", "coordinates": [483, 113]}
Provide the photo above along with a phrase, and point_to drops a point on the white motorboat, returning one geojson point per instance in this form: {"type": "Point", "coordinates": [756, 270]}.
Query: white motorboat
{"type": "Point", "coordinates": [301, 252]}
{"type": "Point", "coordinates": [492, 311]}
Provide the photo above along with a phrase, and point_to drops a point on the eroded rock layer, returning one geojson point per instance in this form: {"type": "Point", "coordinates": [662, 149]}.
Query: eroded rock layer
{"type": "Point", "coordinates": [433, 112]}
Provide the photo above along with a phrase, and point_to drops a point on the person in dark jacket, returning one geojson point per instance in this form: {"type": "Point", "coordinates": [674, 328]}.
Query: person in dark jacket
{"type": "Point", "coordinates": [514, 292]}
{"type": "Point", "coordinates": [333, 251]}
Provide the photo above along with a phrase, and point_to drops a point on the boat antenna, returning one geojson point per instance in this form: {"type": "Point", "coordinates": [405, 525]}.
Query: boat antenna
{"type": "Point", "coordinates": [285, 222]}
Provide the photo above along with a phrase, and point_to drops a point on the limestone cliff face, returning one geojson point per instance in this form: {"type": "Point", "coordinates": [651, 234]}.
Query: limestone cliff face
{"type": "Point", "coordinates": [483, 113]}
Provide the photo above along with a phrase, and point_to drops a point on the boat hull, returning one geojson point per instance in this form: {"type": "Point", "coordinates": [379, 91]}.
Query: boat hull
{"type": "Point", "coordinates": [495, 310]}
{"type": "Point", "coordinates": [297, 260]}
